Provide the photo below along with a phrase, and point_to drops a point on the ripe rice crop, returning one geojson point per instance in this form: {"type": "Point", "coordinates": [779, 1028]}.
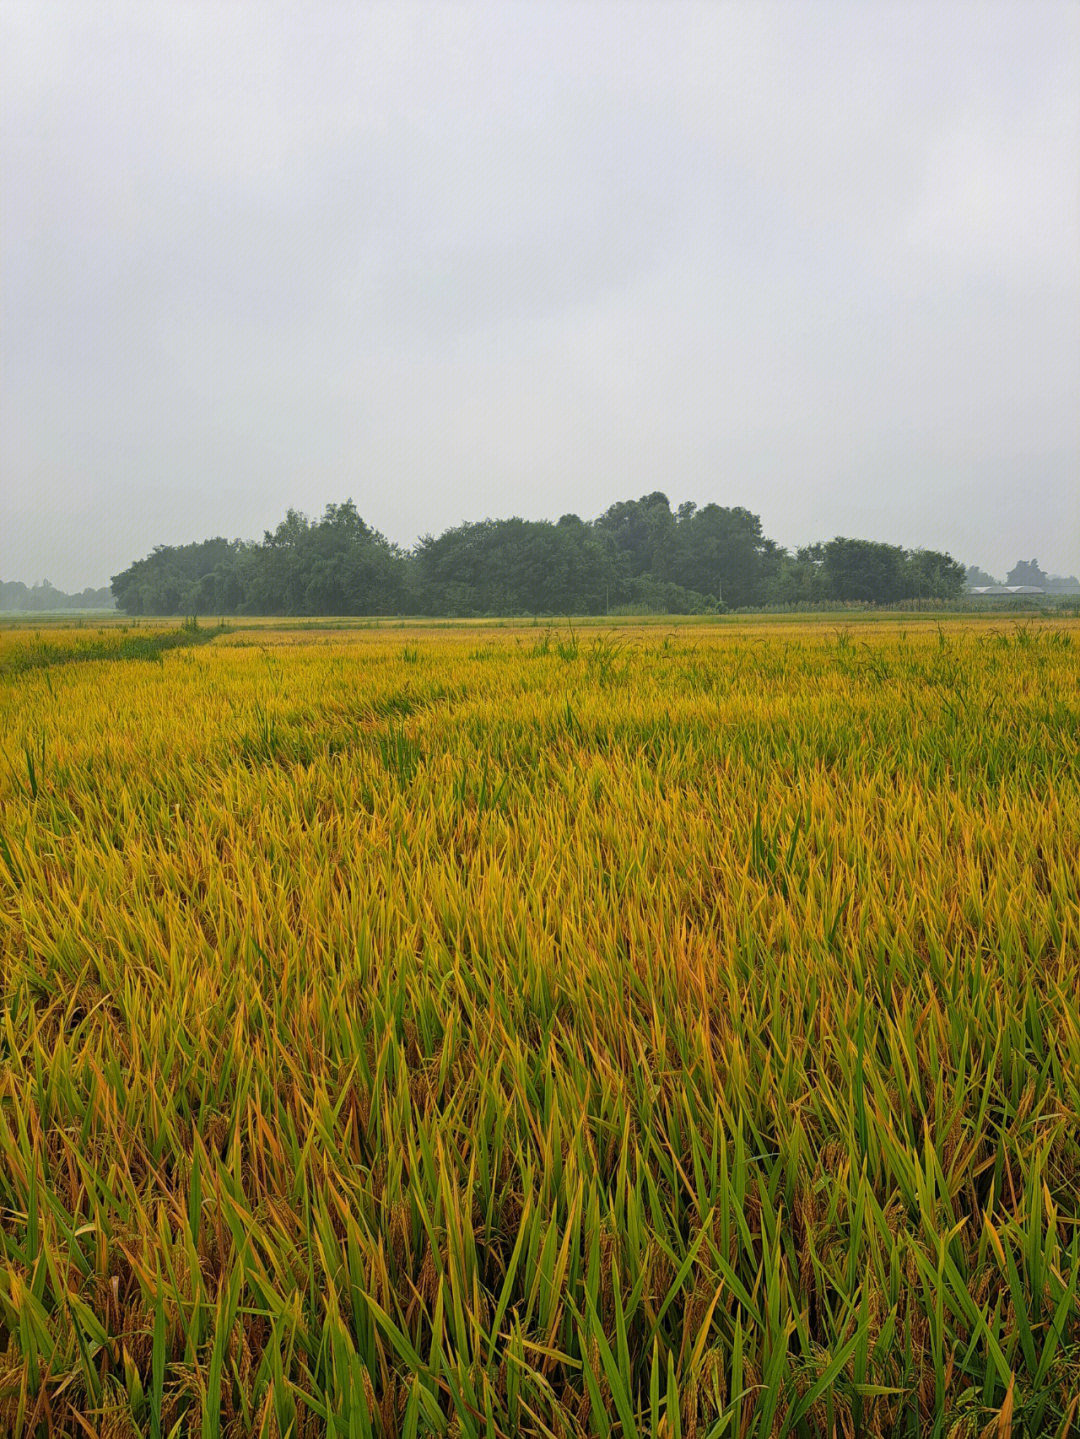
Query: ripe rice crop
{"type": "Point", "coordinates": [523, 1030]}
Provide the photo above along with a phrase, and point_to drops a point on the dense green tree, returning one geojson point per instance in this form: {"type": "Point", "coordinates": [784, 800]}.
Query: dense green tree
{"type": "Point", "coordinates": [1027, 572]}
{"type": "Point", "coordinates": [719, 551]}
{"type": "Point", "coordinates": [36, 599]}
{"type": "Point", "coordinates": [637, 555]}
{"type": "Point", "coordinates": [797, 579]}
{"type": "Point", "coordinates": [640, 534]}
{"type": "Point", "coordinates": [863, 570]}
{"type": "Point", "coordinates": [931, 575]}
{"type": "Point", "coordinates": [335, 565]}
{"type": "Point", "coordinates": [176, 579]}
{"type": "Point", "coordinates": [515, 566]}
{"type": "Point", "coordinates": [974, 576]}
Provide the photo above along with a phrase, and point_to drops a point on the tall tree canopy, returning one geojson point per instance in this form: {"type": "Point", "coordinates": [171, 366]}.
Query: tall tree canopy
{"type": "Point", "coordinates": [638, 555]}
{"type": "Point", "coordinates": [1027, 572]}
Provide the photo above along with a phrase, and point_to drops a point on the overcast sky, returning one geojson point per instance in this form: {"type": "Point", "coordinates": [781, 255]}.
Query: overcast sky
{"type": "Point", "coordinates": [819, 260]}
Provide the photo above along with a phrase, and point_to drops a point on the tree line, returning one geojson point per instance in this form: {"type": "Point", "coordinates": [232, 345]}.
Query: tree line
{"type": "Point", "coordinates": [638, 556]}
{"type": "Point", "coordinates": [1026, 572]}
{"type": "Point", "coordinates": [42, 598]}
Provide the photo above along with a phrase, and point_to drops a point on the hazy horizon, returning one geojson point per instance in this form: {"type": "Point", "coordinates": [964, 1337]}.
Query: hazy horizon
{"type": "Point", "coordinates": [822, 262]}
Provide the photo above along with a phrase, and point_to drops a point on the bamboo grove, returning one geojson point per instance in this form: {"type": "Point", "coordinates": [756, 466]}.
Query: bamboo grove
{"type": "Point", "coordinates": [525, 1030]}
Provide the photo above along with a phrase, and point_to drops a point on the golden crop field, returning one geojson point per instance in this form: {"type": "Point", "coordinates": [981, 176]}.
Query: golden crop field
{"type": "Point", "coordinates": [521, 1030]}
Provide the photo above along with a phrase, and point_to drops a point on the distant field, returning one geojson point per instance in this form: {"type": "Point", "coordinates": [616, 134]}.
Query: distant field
{"type": "Point", "coordinates": [511, 1029]}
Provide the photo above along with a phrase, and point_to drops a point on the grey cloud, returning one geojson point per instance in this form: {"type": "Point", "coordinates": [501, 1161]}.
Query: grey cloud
{"type": "Point", "coordinates": [818, 260]}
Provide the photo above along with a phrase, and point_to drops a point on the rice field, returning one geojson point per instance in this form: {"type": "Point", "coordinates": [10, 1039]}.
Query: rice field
{"type": "Point", "coordinates": [537, 1030]}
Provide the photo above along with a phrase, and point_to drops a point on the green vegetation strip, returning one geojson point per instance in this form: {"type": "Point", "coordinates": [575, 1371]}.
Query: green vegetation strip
{"type": "Point", "coordinates": [43, 654]}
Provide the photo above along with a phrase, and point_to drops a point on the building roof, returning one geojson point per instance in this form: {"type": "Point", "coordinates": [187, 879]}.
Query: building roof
{"type": "Point", "coordinates": [1006, 590]}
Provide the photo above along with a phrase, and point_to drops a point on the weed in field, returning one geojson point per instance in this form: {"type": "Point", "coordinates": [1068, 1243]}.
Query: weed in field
{"type": "Point", "coordinates": [400, 754]}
